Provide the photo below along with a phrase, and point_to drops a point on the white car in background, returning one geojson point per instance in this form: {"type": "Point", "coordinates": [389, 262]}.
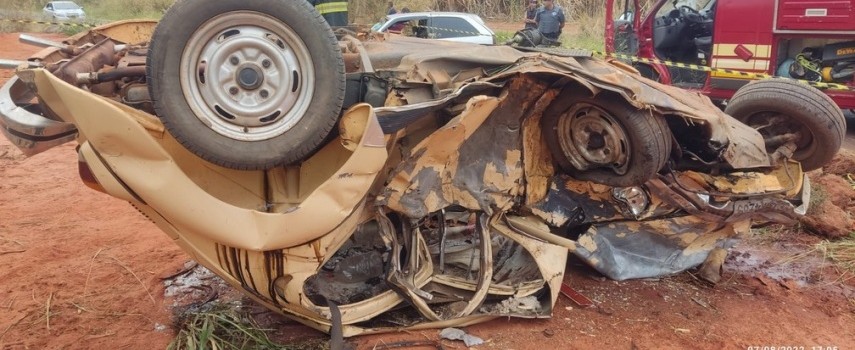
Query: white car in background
{"type": "Point", "coordinates": [63, 10]}
{"type": "Point", "coordinates": [449, 26]}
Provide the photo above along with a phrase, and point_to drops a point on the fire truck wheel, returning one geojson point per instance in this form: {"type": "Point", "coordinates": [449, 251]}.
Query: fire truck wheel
{"type": "Point", "coordinates": [246, 84]}
{"type": "Point", "coordinates": [604, 139]}
{"type": "Point", "coordinates": [787, 111]}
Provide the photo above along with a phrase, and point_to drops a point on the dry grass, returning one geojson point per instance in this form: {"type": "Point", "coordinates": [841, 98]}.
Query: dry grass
{"type": "Point", "coordinates": [772, 233]}
{"type": "Point", "coordinates": [19, 9]}
{"type": "Point", "coordinates": [841, 252]}
{"type": "Point", "coordinates": [124, 9]}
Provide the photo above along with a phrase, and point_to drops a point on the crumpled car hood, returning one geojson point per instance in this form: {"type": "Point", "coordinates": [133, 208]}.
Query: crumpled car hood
{"type": "Point", "coordinates": [426, 62]}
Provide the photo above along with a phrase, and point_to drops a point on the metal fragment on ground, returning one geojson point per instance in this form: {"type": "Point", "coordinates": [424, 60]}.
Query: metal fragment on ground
{"type": "Point", "coordinates": [458, 334]}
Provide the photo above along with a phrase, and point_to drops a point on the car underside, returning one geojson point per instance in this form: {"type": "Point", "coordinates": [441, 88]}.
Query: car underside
{"type": "Point", "coordinates": [455, 182]}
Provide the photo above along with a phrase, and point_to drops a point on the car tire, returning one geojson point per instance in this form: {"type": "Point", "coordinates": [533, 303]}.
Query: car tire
{"type": "Point", "coordinates": [606, 140]}
{"type": "Point", "coordinates": [277, 91]}
{"type": "Point", "coordinates": [777, 108]}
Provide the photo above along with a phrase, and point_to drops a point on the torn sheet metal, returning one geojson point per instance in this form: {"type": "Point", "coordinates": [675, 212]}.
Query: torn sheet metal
{"type": "Point", "coordinates": [744, 146]}
{"type": "Point", "coordinates": [152, 173]}
{"type": "Point", "coordinates": [474, 161]}
{"type": "Point", "coordinates": [458, 334]}
{"type": "Point", "coordinates": [631, 249]}
{"type": "Point", "coordinates": [442, 208]}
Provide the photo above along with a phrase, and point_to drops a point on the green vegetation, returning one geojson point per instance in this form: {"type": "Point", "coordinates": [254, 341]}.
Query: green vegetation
{"type": "Point", "coordinates": [220, 327]}
{"type": "Point", "coordinates": [111, 10]}
{"type": "Point", "coordinates": [97, 12]}
{"type": "Point", "coordinates": [585, 25]}
{"type": "Point", "coordinates": [362, 11]}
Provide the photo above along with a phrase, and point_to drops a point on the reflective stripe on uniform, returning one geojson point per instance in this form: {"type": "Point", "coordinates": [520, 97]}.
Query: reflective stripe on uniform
{"type": "Point", "coordinates": [332, 7]}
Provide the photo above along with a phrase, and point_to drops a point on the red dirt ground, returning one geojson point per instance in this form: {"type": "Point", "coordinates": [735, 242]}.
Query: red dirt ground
{"type": "Point", "coordinates": [83, 270]}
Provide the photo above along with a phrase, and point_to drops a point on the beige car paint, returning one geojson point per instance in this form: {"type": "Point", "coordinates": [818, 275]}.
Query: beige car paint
{"type": "Point", "coordinates": [136, 161]}
{"type": "Point", "coordinates": [269, 232]}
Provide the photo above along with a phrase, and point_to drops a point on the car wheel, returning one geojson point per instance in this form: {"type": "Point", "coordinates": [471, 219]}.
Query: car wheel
{"type": "Point", "coordinates": [246, 84]}
{"type": "Point", "coordinates": [606, 140]}
{"type": "Point", "coordinates": [786, 111]}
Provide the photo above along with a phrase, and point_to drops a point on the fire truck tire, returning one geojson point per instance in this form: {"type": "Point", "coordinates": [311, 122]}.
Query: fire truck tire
{"type": "Point", "coordinates": [246, 84]}
{"type": "Point", "coordinates": [784, 111]}
{"type": "Point", "coordinates": [604, 139]}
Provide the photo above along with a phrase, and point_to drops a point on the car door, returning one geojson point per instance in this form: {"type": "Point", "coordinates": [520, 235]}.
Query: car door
{"type": "Point", "coordinates": [410, 25]}
{"type": "Point", "coordinates": [48, 10]}
{"type": "Point", "coordinates": [622, 25]}
{"type": "Point", "coordinates": [453, 28]}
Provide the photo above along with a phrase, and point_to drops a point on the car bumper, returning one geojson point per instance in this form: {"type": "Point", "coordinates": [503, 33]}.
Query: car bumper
{"type": "Point", "coordinates": [69, 16]}
{"type": "Point", "coordinates": [25, 124]}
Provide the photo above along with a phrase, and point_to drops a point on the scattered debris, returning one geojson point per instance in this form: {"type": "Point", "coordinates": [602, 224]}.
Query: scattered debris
{"type": "Point", "coordinates": [188, 267]}
{"type": "Point", "coordinates": [458, 334]}
{"type": "Point", "coordinates": [193, 284]}
{"type": "Point", "coordinates": [409, 344]}
{"type": "Point", "coordinates": [605, 311]}
{"type": "Point", "coordinates": [575, 296]}
{"type": "Point", "coordinates": [525, 305]}
{"type": "Point", "coordinates": [701, 302]}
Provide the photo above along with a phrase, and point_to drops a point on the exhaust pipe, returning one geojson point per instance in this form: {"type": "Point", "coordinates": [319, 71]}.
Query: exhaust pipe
{"type": "Point", "coordinates": [36, 41]}
{"type": "Point", "coordinates": [15, 64]}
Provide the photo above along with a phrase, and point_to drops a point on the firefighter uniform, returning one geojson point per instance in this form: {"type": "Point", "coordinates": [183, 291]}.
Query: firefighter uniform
{"type": "Point", "coordinates": [334, 11]}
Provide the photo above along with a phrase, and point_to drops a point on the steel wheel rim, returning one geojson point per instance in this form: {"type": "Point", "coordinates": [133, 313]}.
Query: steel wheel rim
{"type": "Point", "coordinates": [595, 137]}
{"type": "Point", "coordinates": [772, 125]}
{"type": "Point", "coordinates": [247, 76]}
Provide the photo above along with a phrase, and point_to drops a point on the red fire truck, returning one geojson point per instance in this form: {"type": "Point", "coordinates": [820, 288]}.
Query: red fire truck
{"type": "Point", "coordinates": [804, 39]}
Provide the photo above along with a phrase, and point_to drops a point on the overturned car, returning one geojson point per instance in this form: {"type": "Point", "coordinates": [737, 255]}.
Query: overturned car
{"type": "Point", "coordinates": [376, 182]}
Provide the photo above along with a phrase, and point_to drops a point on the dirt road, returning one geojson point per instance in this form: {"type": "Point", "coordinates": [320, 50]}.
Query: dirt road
{"type": "Point", "coordinates": [83, 270]}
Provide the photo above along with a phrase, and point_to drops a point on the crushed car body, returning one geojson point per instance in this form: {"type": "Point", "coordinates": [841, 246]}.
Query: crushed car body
{"type": "Point", "coordinates": [457, 182]}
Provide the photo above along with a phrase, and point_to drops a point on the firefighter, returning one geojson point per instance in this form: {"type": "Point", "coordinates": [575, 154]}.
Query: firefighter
{"type": "Point", "coordinates": [334, 11]}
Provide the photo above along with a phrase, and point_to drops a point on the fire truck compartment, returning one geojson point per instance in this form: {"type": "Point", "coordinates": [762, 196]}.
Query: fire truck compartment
{"type": "Point", "coordinates": [815, 15]}
{"type": "Point", "coordinates": [832, 60]}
